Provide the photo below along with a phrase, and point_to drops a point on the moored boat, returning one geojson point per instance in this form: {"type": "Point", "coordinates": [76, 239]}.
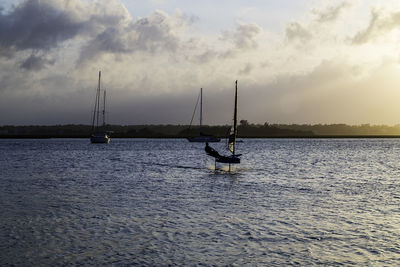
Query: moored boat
{"type": "Point", "coordinates": [202, 138]}
{"type": "Point", "coordinates": [233, 158]}
{"type": "Point", "coordinates": [99, 133]}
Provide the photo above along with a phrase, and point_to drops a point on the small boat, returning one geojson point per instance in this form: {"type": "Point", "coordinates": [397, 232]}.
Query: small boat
{"type": "Point", "coordinates": [100, 138]}
{"type": "Point", "coordinates": [233, 158]}
{"type": "Point", "coordinates": [202, 138]}
{"type": "Point", "coordinates": [99, 133]}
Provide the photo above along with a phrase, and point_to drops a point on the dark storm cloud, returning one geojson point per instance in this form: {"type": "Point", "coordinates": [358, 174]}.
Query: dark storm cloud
{"type": "Point", "coordinates": [152, 34]}
{"type": "Point", "coordinates": [40, 26]}
{"type": "Point", "coordinates": [44, 25]}
{"type": "Point", "coordinates": [107, 41]}
{"type": "Point", "coordinates": [36, 63]}
{"type": "Point", "coordinates": [36, 25]}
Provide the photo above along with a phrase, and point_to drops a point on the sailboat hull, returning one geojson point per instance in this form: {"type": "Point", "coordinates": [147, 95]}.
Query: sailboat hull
{"type": "Point", "coordinates": [100, 139]}
{"type": "Point", "coordinates": [228, 159]}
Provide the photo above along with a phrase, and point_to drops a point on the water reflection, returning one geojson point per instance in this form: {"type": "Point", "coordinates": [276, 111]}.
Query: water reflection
{"type": "Point", "coordinates": [160, 202]}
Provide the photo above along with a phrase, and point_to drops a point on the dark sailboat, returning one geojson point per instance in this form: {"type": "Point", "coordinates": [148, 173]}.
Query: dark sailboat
{"type": "Point", "coordinates": [233, 158]}
{"type": "Point", "coordinates": [202, 138]}
{"type": "Point", "coordinates": [99, 134]}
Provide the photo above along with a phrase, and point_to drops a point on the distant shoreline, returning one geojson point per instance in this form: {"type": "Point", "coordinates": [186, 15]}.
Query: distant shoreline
{"type": "Point", "coordinates": [245, 130]}
{"type": "Point", "coordinates": [239, 137]}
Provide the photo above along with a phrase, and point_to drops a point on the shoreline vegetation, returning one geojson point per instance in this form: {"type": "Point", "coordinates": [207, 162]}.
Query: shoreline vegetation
{"type": "Point", "coordinates": [245, 130]}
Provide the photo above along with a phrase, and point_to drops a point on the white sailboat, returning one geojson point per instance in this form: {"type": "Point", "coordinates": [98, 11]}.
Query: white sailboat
{"type": "Point", "coordinates": [202, 138]}
{"type": "Point", "coordinates": [99, 134]}
{"type": "Point", "coordinates": [233, 158]}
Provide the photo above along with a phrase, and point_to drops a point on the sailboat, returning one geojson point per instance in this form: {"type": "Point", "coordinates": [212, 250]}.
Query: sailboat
{"type": "Point", "coordinates": [233, 158]}
{"type": "Point", "coordinates": [202, 138]}
{"type": "Point", "coordinates": [99, 134]}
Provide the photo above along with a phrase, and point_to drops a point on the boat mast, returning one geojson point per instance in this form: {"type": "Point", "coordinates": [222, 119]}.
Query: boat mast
{"type": "Point", "coordinates": [104, 110]}
{"type": "Point", "coordinates": [235, 120]}
{"type": "Point", "coordinates": [96, 107]}
{"type": "Point", "coordinates": [201, 108]}
{"type": "Point", "coordinates": [98, 101]}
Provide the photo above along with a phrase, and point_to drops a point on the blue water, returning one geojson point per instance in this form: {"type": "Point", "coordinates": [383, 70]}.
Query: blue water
{"type": "Point", "coordinates": [160, 202]}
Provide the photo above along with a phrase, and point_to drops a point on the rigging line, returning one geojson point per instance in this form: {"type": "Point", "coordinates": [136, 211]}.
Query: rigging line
{"type": "Point", "coordinates": [94, 112]}
{"type": "Point", "coordinates": [194, 111]}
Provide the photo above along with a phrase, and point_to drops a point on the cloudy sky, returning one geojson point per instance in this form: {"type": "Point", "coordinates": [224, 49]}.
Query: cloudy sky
{"type": "Point", "coordinates": [297, 61]}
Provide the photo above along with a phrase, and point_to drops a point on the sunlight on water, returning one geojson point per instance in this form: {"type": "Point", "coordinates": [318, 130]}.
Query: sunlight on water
{"type": "Point", "coordinates": [161, 202]}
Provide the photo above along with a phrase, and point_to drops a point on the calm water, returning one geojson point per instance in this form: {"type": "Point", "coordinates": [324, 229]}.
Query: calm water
{"type": "Point", "coordinates": [159, 202]}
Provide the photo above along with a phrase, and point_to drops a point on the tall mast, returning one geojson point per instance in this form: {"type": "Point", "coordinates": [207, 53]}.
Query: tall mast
{"type": "Point", "coordinates": [201, 108]}
{"type": "Point", "coordinates": [94, 111]}
{"type": "Point", "coordinates": [98, 101]}
{"type": "Point", "coordinates": [95, 119]}
{"type": "Point", "coordinates": [104, 110]}
{"type": "Point", "coordinates": [235, 119]}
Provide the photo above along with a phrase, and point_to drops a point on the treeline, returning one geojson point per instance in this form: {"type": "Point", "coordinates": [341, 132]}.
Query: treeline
{"type": "Point", "coordinates": [148, 131]}
{"type": "Point", "coordinates": [344, 129]}
{"type": "Point", "coordinates": [245, 130]}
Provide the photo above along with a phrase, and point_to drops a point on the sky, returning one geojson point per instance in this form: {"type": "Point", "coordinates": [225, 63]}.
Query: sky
{"type": "Point", "coordinates": [302, 61]}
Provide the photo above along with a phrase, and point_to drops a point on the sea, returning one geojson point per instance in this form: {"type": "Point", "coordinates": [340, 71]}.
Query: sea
{"type": "Point", "coordinates": [161, 202]}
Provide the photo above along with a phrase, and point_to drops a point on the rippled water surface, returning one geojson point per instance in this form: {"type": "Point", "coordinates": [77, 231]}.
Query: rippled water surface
{"type": "Point", "coordinates": [160, 202]}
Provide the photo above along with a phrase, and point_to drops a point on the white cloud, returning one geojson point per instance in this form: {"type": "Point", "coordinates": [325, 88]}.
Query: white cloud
{"type": "Point", "coordinates": [331, 13]}
{"type": "Point", "coordinates": [153, 66]}
{"type": "Point", "coordinates": [244, 36]}
{"type": "Point", "coordinates": [381, 23]}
